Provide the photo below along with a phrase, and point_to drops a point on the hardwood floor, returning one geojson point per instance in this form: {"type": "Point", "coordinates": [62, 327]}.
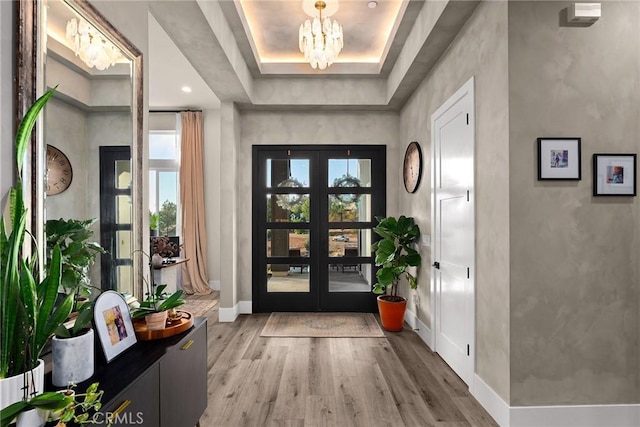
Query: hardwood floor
{"type": "Point", "coordinates": [392, 381]}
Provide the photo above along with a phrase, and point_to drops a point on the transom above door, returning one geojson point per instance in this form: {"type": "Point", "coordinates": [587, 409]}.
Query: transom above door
{"type": "Point", "coordinates": [314, 208]}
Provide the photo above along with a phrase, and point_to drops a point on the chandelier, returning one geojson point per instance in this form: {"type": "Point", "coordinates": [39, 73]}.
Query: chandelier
{"type": "Point", "coordinates": [91, 46]}
{"type": "Point", "coordinates": [321, 40]}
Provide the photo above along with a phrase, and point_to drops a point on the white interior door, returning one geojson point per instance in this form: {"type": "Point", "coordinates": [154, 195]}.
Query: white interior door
{"type": "Point", "coordinates": [453, 250]}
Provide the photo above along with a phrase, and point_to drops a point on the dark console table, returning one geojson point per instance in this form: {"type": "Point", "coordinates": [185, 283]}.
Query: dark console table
{"type": "Point", "coordinates": [154, 383]}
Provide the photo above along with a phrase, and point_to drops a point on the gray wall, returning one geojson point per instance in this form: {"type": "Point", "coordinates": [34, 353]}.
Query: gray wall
{"type": "Point", "coordinates": [6, 96]}
{"type": "Point", "coordinates": [574, 258]}
{"type": "Point", "coordinates": [66, 129]}
{"type": "Point", "coordinates": [480, 50]}
{"type": "Point", "coordinates": [212, 192]}
{"type": "Point", "coordinates": [229, 141]}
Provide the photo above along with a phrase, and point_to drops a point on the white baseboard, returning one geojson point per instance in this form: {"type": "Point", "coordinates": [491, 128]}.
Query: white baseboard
{"type": "Point", "coordinates": [245, 307]}
{"type": "Point", "coordinates": [490, 401]}
{"type": "Point", "coordinates": [231, 314]}
{"type": "Point", "coordinates": [554, 416]}
{"type": "Point", "coordinates": [214, 284]}
{"type": "Point", "coordinates": [574, 416]}
{"type": "Point", "coordinates": [419, 328]}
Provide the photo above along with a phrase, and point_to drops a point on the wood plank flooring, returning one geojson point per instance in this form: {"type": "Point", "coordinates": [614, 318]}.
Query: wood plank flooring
{"type": "Point", "coordinates": [392, 381]}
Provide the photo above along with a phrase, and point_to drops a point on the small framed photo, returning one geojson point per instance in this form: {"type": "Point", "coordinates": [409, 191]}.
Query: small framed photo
{"type": "Point", "coordinates": [559, 159]}
{"type": "Point", "coordinates": [614, 174]}
{"type": "Point", "coordinates": [113, 324]}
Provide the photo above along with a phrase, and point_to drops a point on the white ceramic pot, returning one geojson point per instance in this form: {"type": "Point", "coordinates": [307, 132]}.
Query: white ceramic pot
{"type": "Point", "coordinates": [12, 388]}
{"type": "Point", "coordinates": [72, 359]}
{"type": "Point", "coordinates": [156, 321]}
{"type": "Point", "coordinates": [156, 261]}
{"type": "Point", "coordinates": [32, 418]}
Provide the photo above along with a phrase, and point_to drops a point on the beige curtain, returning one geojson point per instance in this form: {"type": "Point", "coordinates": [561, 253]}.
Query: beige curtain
{"type": "Point", "coordinates": [194, 235]}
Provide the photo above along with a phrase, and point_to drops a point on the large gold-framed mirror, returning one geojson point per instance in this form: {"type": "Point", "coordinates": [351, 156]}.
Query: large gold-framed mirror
{"type": "Point", "coordinates": [97, 111]}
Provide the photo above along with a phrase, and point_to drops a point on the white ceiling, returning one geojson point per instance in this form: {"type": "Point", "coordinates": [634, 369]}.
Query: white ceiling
{"type": "Point", "coordinates": [272, 29]}
{"type": "Point", "coordinates": [169, 72]}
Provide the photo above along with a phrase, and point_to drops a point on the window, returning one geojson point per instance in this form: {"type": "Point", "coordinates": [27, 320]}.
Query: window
{"type": "Point", "coordinates": [164, 188]}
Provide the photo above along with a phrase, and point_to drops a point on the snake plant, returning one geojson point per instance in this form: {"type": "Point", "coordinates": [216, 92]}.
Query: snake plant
{"type": "Point", "coordinates": [28, 311]}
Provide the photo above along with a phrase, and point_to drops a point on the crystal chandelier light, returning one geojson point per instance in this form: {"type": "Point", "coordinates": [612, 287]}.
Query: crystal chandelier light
{"type": "Point", "coordinates": [321, 40]}
{"type": "Point", "coordinates": [91, 46]}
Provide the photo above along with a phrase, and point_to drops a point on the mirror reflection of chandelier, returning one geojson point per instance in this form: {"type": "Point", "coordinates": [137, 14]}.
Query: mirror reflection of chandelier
{"type": "Point", "coordinates": [91, 46]}
{"type": "Point", "coordinates": [321, 40]}
{"type": "Point", "coordinates": [289, 201]}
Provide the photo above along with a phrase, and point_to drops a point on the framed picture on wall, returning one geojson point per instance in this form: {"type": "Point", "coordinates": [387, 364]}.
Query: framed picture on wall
{"type": "Point", "coordinates": [113, 324]}
{"type": "Point", "coordinates": [559, 159]}
{"type": "Point", "coordinates": [614, 174]}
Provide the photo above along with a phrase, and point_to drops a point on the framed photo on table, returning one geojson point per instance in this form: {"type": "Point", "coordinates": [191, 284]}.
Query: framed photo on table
{"type": "Point", "coordinates": [113, 324]}
{"type": "Point", "coordinates": [614, 174]}
{"type": "Point", "coordinates": [559, 159]}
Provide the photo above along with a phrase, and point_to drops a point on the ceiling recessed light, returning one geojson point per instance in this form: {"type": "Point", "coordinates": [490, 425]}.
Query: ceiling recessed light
{"type": "Point", "coordinates": [372, 4]}
{"type": "Point", "coordinates": [186, 89]}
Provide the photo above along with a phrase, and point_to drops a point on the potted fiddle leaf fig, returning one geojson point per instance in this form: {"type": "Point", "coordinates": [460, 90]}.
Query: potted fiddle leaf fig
{"type": "Point", "coordinates": [394, 255]}
{"type": "Point", "coordinates": [28, 311]}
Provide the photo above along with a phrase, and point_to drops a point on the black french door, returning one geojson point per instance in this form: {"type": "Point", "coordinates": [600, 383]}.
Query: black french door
{"type": "Point", "coordinates": [314, 208]}
{"type": "Point", "coordinates": [116, 216]}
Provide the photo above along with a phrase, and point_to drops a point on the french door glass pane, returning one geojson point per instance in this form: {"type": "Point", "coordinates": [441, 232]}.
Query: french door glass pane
{"type": "Point", "coordinates": [123, 209]}
{"type": "Point", "coordinates": [123, 247]}
{"type": "Point", "coordinates": [288, 208]}
{"type": "Point", "coordinates": [349, 207]}
{"type": "Point", "coordinates": [123, 174]}
{"type": "Point", "coordinates": [349, 173]}
{"type": "Point", "coordinates": [350, 277]}
{"type": "Point", "coordinates": [124, 275]}
{"type": "Point", "coordinates": [349, 242]}
{"type": "Point", "coordinates": [288, 242]}
{"type": "Point", "coordinates": [287, 173]}
{"type": "Point", "coordinates": [288, 277]}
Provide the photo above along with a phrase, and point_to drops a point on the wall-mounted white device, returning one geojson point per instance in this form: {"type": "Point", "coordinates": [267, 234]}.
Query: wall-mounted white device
{"type": "Point", "coordinates": [584, 12]}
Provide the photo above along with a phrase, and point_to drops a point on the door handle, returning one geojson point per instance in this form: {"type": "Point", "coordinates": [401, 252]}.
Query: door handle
{"type": "Point", "coordinates": [436, 265]}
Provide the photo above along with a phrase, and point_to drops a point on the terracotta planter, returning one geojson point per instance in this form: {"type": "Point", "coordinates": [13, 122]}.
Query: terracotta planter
{"type": "Point", "coordinates": [156, 321]}
{"type": "Point", "coordinates": [391, 312]}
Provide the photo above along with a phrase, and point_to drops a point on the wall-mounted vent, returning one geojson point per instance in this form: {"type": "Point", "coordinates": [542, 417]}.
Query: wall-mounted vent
{"type": "Point", "coordinates": [584, 12]}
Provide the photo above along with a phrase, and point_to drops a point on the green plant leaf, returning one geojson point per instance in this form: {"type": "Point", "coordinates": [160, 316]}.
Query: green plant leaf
{"type": "Point", "coordinates": [8, 414]}
{"type": "Point", "coordinates": [9, 294]}
{"type": "Point", "coordinates": [379, 289]}
{"type": "Point", "coordinates": [84, 318]}
{"type": "Point", "coordinates": [172, 302]}
{"type": "Point", "coordinates": [413, 282]}
{"type": "Point", "coordinates": [50, 317]}
{"type": "Point", "coordinates": [160, 290]}
{"type": "Point", "coordinates": [386, 276]}
{"type": "Point", "coordinates": [49, 400]}
{"type": "Point", "coordinates": [413, 260]}
{"type": "Point", "coordinates": [385, 252]}
{"type": "Point", "coordinates": [26, 126]}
